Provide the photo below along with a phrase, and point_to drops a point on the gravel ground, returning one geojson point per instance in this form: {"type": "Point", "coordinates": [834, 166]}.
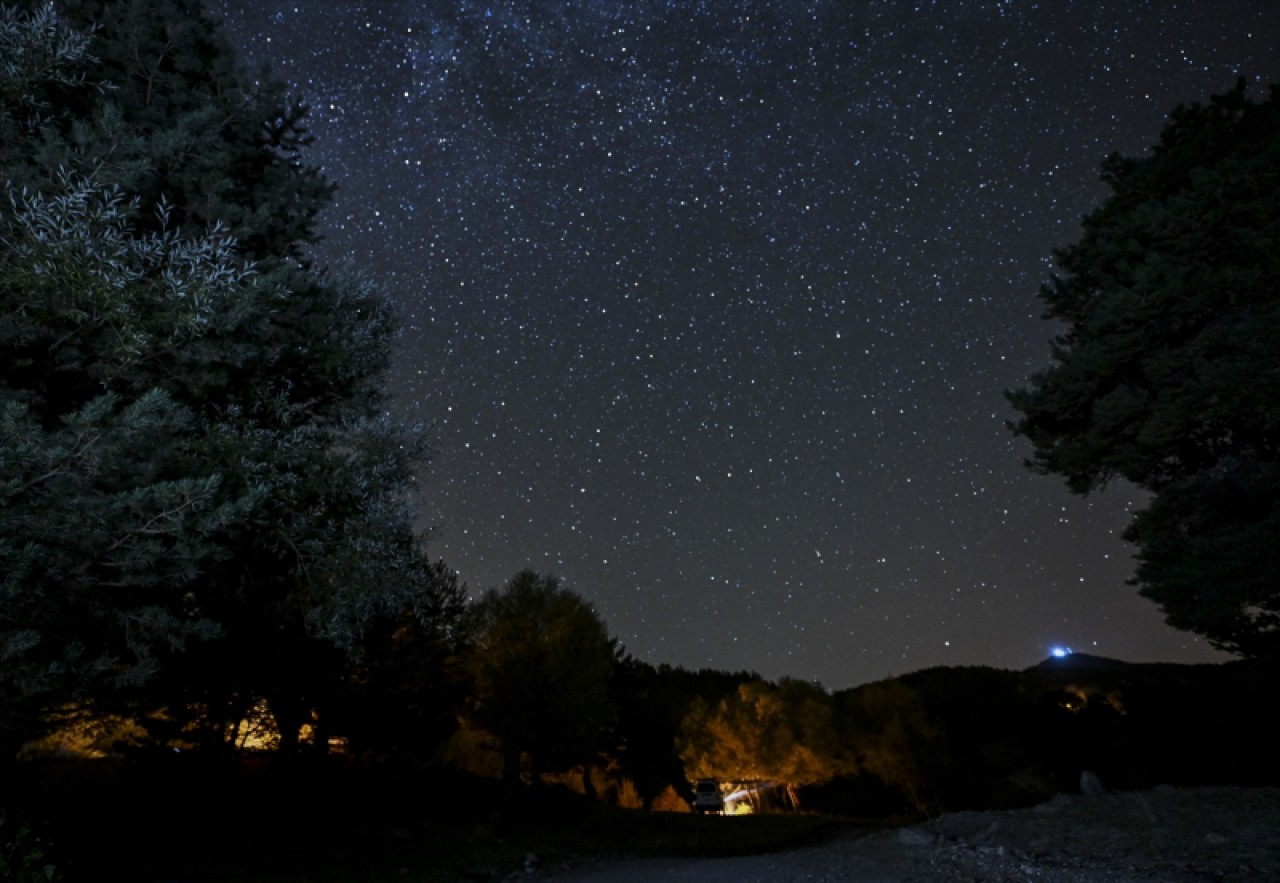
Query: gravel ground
{"type": "Point", "coordinates": [1162, 836]}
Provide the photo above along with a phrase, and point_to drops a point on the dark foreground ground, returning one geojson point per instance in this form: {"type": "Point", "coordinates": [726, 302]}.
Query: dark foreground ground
{"type": "Point", "coordinates": [179, 822]}
{"type": "Point", "coordinates": [182, 825]}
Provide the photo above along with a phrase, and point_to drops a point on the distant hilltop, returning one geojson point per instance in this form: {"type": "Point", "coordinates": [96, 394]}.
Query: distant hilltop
{"type": "Point", "coordinates": [1080, 662]}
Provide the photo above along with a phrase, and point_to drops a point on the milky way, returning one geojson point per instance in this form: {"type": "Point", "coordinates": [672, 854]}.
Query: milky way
{"type": "Point", "coordinates": [713, 304]}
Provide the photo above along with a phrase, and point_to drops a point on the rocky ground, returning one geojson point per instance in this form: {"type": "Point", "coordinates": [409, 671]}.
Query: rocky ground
{"type": "Point", "coordinates": [1162, 836]}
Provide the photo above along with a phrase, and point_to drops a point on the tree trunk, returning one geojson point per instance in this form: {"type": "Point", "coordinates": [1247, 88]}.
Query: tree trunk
{"type": "Point", "coordinates": [510, 778]}
{"type": "Point", "coordinates": [320, 731]}
{"type": "Point", "coordinates": [289, 718]}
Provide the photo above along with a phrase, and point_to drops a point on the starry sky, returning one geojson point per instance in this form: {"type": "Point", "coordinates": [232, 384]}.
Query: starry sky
{"type": "Point", "coordinates": [713, 303]}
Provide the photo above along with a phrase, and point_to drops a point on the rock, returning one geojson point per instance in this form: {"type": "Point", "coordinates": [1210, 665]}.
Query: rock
{"type": "Point", "coordinates": [916, 837]}
{"type": "Point", "coordinates": [965, 825]}
{"type": "Point", "coordinates": [1059, 802]}
{"type": "Point", "coordinates": [1091, 785]}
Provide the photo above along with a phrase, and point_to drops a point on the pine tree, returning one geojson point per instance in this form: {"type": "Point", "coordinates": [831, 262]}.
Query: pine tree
{"type": "Point", "coordinates": [193, 442]}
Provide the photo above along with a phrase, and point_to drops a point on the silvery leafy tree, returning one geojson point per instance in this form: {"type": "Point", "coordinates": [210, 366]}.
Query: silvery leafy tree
{"type": "Point", "coordinates": [203, 500]}
{"type": "Point", "coordinates": [1166, 372]}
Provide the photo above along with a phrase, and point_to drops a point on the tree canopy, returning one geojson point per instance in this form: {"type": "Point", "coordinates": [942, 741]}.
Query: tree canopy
{"type": "Point", "coordinates": [784, 734]}
{"type": "Point", "coordinates": [193, 441]}
{"type": "Point", "coordinates": [1167, 375]}
{"type": "Point", "coordinates": [542, 663]}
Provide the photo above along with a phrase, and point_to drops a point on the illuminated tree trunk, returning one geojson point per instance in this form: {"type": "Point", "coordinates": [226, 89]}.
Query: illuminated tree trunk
{"type": "Point", "coordinates": [289, 718]}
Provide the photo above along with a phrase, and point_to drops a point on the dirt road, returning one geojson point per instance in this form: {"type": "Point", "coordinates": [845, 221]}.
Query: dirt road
{"type": "Point", "coordinates": [1162, 836]}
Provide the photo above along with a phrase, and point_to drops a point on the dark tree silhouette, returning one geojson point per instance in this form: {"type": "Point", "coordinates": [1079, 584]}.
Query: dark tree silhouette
{"type": "Point", "coordinates": [1166, 374]}
{"type": "Point", "coordinates": [542, 663]}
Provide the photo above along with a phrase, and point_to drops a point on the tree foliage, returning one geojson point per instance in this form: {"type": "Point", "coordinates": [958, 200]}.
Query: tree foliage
{"type": "Point", "coordinates": [784, 734]}
{"type": "Point", "coordinates": [402, 695]}
{"type": "Point", "coordinates": [652, 703]}
{"type": "Point", "coordinates": [542, 663]}
{"type": "Point", "coordinates": [193, 443]}
{"type": "Point", "coordinates": [1166, 374]}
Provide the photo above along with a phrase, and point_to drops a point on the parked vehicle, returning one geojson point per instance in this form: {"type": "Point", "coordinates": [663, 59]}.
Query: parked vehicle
{"type": "Point", "coordinates": [706, 796]}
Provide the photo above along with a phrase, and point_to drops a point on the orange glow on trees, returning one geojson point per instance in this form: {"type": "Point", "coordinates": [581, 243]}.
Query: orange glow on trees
{"type": "Point", "coordinates": [784, 734]}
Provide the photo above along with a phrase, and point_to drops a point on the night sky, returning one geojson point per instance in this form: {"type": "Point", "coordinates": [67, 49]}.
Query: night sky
{"type": "Point", "coordinates": [713, 303]}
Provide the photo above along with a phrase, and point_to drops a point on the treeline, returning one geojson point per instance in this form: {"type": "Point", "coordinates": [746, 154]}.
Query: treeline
{"type": "Point", "coordinates": [536, 693]}
{"type": "Point", "coordinates": [948, 739]}
{"type": "Point", "coordinates": [943, 739]}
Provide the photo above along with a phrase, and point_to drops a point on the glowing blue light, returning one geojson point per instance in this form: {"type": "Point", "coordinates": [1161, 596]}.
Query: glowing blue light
{"type": "Point", "coordinates": [1059, 652]}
